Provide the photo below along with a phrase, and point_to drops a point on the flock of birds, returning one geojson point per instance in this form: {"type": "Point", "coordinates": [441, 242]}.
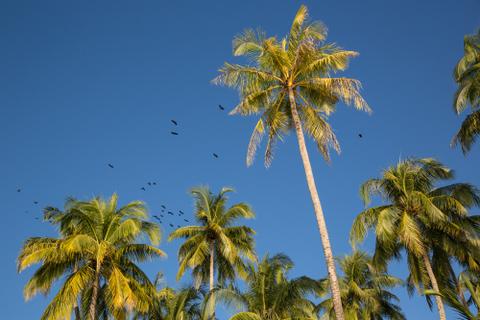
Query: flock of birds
{"type": "Point", "coordinates": [162, 217]}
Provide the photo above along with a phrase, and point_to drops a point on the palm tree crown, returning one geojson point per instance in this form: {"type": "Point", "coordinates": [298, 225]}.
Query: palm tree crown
{"type": "Point", "coordinates": [365, 291]}
{"type": "Point", "coordinates": [271, 295]}
{"type": "Point", "coordinates": [97, 253]}
{"type": "Point", "coordinates": [421, 219]}
{"type": "Point", "coordinates": [216, 243]}
{"type": "Point", "coordinates": [301, 63]}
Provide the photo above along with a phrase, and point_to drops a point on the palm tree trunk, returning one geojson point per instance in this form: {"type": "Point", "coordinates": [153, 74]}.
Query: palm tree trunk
{"type": "Point", "coordinates": [93, 303]}
{"type": "Point", "coordinates": [212, 252]}
{"type": "Point", "coordinates": [212, 270]}
{"type": "Point", "coordinates": [433, 280]}
{"type": "Point", "coordinates": [76, 309]}
{"type": "Point", "coordinates": [322, 227]}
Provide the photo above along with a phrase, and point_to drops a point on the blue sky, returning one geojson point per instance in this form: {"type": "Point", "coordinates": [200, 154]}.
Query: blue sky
{"type": "Point", "coordinates": [84, 84]}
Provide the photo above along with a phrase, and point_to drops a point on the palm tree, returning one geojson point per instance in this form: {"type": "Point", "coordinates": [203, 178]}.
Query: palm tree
{"type": "Point", "coordinates": [420, 219]}
{"type": "Point", "coordinates": [271, 295]}
{"type": "Point", "coordinates": [216, 243]}
{"type": "Point", "coordinates": [365, 291]}
{"type": "Point", "coordinates": [467, 76]}
{"type": "Point", "coordinates": [289, 83]}
{"type": "Point", "coordinates": [97, 254]}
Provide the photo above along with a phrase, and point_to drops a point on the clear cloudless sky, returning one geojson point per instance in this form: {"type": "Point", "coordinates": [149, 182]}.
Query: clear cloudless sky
{"type": "Point", "coordinates": [87, 83]}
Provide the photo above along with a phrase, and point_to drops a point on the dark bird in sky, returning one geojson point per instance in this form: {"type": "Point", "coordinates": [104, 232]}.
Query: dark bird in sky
{"type": "Point", "coordinates": [162, 215]}
{"type": "Point", "coordinates": [220, 107]}
{"type": "Point", "coordinates": [163, 206]}
{"type": "Point", "coordinates": [156, 217]}
{"type": "Point", "coordinates": [35, 202]}
{"type": "Point", "coordinates": [154, 183]}
{"type": "Point", "coordinates": [171, 225]}
{"type": "Point", "coordinates": [174, 133]}
{"type": "Point", "coordinates": [186, 220]}
{"type": "Point", "coordinates": [170, 213]}
{"type": "Point", "coordinates": [111, 165]}
{"type": "Point", "coordinates": [143, 188]}
{"type": "Point", "coordinates": [18, 190]}
{"type": "Point", "coordinates": [360, 135]}
{"type": "Point", "coordinates": [180, 211]}
{"type": "Point", "coordinates": [215, 155]}
{"type": "Point", "coordinates": [178, 226]}
{"type": "Point", "coordinates": [149, 183]}
{"type": "Point", "coordinates": [174, 122]}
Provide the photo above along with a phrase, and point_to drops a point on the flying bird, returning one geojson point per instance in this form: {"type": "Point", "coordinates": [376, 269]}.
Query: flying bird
{"type": "Point", "coordinates": [18, 190]}
{"type": "Point", "coordinates": [111, 165]}
{"type": "Point", "coordinates": [35, 202]}
{"type": "Point", "coordinates": [171, 225]}
{"type": "Point", "coordinates": [174, 122]}
{"type": "Point", "coordinates": [178, 226]}
{"type": "Point", "coordinates": [143, 188]}
{"type": "Point", "coordinates": [180, 211]}
{"type": "Point", "coordinates": [215, 155]}
{"type": "Point", "coordinates": [170, 213]}
{"type": "Point", "coordinates": [163, 206]}
{"type": "Point", "coordinates": [186, 220]}
{"type": "Point", "coordinates": [220, 107]}
{"type": "Point", "coordinates": [154, 183]}
{"type": "Point", "coordinates": [360, 135]}
{"type": "Point", "coordinates": [149, 183]}
{"type": "Point", "coordinates": [174, 133]}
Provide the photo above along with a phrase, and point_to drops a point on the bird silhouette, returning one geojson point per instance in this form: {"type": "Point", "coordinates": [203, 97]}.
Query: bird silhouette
{"type": "Point", "coordinates": [220, 107]}
{"type": "Point", "coordinates": [180, 211]}
{"type": "Point", "coordinates": [163, 206]}
{"type": "Point", "coordinates": [162, 215]}
{"type": "Point", "coordinates": [154, 183]}
{"type": "Point", "coordinates": [143, 188]}
{"type": "Point", "coordinates": [178, 226]}
{"type": "Point", "coordinates": [170, 213]}
{"type": "Point", "coordinates": [19, 190]}
{"type": "Point", "coordinates": [111, 165]}
{"type": "Point", "coordinates": [149, 183]}
{"type": "Point", "coordinates": [35, 202]}
{"type": "Point", "coordinates": [174, 133]}
{"type": "Point", "coordinates": [174, 122]}
{"type": "Point", "coordinates": [360, 135]}
{"type": "Point", "coordinates": [186, 220]}
{"type": "Point", "coordinates": [215, 155]}
{"type": "Point", "coordinates": [171, 225]}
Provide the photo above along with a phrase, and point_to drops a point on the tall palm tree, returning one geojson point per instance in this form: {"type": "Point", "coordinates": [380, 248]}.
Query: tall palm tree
{"type": "Point", "coordinates": [271, 295]}
{"type": "Point", "coordinates": [97, 252]}
{"type": "Point", "coordinates": [365, 291]}
{"type": "Point", "coordinates": [421, 219]}
{"type": "Point", "coordinates": [289, 84]}
{"type": "Point", "coordinates": [467, 76]}
{"type": "Point", "coordinates": [216, 243]}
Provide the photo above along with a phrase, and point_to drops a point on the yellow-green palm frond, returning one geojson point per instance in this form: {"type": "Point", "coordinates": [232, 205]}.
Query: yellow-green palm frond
{"type": "Point", "coordinates": [62, 304]}
{"type": "Point", "coordinates": [36, 250]}
{"type": "Point", "coordinates": [468, 132]}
